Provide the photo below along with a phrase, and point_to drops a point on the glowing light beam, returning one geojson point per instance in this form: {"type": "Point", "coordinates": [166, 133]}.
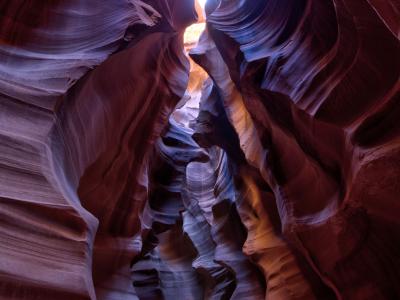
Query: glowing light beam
{"type": "Point", "coordinates": [202, 3]}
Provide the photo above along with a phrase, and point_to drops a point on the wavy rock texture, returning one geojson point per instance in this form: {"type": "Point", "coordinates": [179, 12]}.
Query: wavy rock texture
{"type": "Point", "coordinates": [318, 89]}
{"type": "Point", "coordinates": [271, 172]}
{"type": "Point", "coordinates": [74, 161]}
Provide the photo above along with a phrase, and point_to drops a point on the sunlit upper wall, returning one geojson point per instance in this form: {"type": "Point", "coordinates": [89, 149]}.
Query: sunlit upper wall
{"type": "Point", "coordinates": [202, 3]}
{"type": "Point", "coordinates": [192, 33]}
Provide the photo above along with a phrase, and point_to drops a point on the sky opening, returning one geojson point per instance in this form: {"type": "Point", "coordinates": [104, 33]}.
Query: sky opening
{"type": "Point", "coordinates": [202, 3]}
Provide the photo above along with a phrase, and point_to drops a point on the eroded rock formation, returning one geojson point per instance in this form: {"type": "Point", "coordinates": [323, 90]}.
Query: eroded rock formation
{"type": "Point", "coordinates": [265, 166]}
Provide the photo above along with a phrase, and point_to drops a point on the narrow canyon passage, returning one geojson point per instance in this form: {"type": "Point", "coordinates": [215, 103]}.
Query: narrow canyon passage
{"type": "Point", "coordinates": [181, 149]}
{"type": "Point", "coordinates": [210, 233]}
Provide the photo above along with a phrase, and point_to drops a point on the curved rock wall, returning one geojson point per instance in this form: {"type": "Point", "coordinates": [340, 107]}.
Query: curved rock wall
{"type": "Point", "coordinates": [74, 158]}
{"type": "Point", "coordinates": [318, 87]}
{"type": "Point", "coordinates": [272, 172]}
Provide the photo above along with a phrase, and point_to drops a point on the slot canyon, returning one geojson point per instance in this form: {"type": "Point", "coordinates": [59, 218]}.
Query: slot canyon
{"type": "Point", "coordinates": [187, 150]}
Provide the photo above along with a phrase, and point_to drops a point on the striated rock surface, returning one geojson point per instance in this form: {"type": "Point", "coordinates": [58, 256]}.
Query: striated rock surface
{"type": "Point", "coordinates": [317, 86]}
{"type": "Point", "coordinates": [74, 168]}
{"type": "Point", "coordinates": [264, 166]}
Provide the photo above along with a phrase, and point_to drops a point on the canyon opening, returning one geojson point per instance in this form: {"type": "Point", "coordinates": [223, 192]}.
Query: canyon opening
{"type": "Point", "coordinates": [187, 150]}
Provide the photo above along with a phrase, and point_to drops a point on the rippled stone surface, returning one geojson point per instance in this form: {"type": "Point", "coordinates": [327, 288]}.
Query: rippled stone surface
{"type": "Point", "coordinates": [265, 166]}
{"type": "Point", "coordinates": [318, 88]}
{"type": "Point", "coordinates": [74, 158]}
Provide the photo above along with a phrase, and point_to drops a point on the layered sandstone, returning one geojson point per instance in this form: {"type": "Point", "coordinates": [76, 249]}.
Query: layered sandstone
{"type": "Point", "coordinates": [264, 166]}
